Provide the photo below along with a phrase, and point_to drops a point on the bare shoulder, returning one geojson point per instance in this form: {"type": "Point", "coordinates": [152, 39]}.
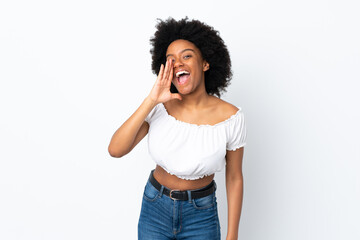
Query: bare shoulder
{"type": "Point", "coordinates": [224, 108]}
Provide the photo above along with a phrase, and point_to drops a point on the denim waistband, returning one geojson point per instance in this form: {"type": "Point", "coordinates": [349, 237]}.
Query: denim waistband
{"type": "Point", "coordinates": [184, 194]}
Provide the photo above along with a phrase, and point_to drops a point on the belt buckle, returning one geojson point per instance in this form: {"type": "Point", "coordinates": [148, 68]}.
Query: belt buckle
{"type": "Point", "coordinates": [171, 192]}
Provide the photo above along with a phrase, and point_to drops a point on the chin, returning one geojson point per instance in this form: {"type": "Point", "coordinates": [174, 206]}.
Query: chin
{"type": "Point", "coordinates": [184, 91]}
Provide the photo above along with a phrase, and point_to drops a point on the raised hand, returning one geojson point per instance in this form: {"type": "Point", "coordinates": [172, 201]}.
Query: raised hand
{"type": "Point", "coordinates": [160, 92]}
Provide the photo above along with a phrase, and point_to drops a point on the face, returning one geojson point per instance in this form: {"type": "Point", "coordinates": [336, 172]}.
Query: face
{"type": "Point", "coordinates": [189, 66]}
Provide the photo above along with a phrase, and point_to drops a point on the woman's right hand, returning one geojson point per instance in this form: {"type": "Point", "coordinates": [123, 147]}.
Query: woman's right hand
{"type": "Point", "coordinates": [160, 92]}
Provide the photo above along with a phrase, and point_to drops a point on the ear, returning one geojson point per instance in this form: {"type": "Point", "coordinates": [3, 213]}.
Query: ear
{"type": "Point", "coordinates": [206, 66]}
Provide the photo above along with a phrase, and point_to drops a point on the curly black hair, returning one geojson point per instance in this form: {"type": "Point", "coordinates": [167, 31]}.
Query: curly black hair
{"type": "Point", "coordinates": [206, 39]}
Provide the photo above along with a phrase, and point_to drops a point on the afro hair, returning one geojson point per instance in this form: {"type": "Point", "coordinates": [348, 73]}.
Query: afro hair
{"type": "Point", "coordinates": [206, 39]}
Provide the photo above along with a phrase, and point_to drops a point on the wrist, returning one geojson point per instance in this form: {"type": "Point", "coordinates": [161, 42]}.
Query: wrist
{"type": "Point", "coordinates": [231, 237]}
{"type": "Point", "coordinates": [150, 101]}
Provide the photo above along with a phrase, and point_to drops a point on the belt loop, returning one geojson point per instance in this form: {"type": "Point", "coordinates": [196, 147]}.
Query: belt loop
{"type": "Point", "coordinates": [189, 195]}
{"type": "Point", "coordinates": [161, 190]}
{"type": "Point", "coordinates": [151, 174]}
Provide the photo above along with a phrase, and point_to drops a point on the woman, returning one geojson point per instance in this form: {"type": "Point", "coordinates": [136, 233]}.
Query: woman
{"type": "Point", "coordinates": [191, 135]}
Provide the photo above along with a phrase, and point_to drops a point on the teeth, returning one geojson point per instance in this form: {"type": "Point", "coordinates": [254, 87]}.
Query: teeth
{"type": "Point", "coordinates": [181, 72]}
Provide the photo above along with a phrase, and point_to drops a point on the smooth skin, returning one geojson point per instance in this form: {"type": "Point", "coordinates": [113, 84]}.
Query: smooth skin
{"type": "Point", "coordinates": [193, 105]}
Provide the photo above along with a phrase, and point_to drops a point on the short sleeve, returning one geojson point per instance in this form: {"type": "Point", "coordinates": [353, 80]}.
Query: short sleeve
{"type": "Point", "coordinates": [236, 132]}
{"type": "Point", "coordinates": [151, 114]}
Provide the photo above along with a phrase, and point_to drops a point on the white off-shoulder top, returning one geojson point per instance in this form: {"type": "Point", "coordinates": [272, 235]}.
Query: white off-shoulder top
{"type": "Point", "coordinates": [192, 151]}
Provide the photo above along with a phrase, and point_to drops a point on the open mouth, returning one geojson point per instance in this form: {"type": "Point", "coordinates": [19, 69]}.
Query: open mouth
{"type": "Point", "coordinates": [182, 77]}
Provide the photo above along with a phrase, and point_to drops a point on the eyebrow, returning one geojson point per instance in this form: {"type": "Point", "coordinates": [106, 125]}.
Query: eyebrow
{"type": "Point", "coordinates": [187, 49]}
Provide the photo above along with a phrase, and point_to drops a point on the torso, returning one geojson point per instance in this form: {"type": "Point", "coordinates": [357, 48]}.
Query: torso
{"type": "Point", "coordinates": [217, 111]}
{"type": "Point", "coordinates": [173, 182]}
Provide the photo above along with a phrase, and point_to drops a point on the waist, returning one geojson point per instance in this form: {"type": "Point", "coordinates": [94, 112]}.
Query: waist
{"type": "Point", "coordinates": [173, 182]}
{"type": "Point", "coordinates": [177, 194]}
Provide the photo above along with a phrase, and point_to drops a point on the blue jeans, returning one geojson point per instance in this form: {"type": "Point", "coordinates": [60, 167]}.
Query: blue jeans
{"type": "Point", "coordinates": [162, 218]}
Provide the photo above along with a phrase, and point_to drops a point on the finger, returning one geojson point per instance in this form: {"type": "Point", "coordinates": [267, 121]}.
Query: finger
{"type": "Point", "coordinates": [167, 69]}
{"type": "Point", "coordinates": [176, 96]}
{"type": "Point", "coordinates": [171, 74]}
{"type": "Point", "coordinates": [164, 71]}
{"type": "Point", "coordinates": [161, 73]}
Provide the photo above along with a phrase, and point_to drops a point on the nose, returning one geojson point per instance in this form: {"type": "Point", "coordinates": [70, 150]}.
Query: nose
{"type": "Point", "coordinates": [177, 63]}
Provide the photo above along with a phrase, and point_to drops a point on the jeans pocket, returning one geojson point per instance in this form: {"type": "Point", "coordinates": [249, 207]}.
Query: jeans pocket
{"type": "Point", "coordinates": [150, 192]}
{"type": "Point", "coordinates": [204, 202]}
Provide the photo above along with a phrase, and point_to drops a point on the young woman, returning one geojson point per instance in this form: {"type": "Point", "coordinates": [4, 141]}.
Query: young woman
{"type": "Point", "coordinates": [191, 135]}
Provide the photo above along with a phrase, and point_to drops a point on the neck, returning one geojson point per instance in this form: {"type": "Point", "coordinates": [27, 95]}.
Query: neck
{"type": "Point", "coordinates": [196, 100]}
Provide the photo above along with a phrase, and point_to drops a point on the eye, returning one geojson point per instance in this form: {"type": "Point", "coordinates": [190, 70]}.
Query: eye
{"type": "Point", "coordinates": [187, 56]}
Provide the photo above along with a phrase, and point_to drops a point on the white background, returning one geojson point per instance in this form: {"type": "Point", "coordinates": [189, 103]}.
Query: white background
{"type": "Point", "coordinates": [73, 71]}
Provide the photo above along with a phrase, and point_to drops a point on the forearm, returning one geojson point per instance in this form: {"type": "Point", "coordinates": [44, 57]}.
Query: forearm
{"type": "Point", "coordinates": [234, 191]}
{"type": "Point", "coordinates": [123, 138]}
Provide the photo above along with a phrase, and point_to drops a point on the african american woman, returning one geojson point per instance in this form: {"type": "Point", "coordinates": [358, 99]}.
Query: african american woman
{"type": "Point", "coordinates": [192, 134]}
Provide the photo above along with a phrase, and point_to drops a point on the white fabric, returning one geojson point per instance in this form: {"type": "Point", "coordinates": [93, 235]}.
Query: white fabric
{"type": "Point", "coordinates": [192, 151]}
